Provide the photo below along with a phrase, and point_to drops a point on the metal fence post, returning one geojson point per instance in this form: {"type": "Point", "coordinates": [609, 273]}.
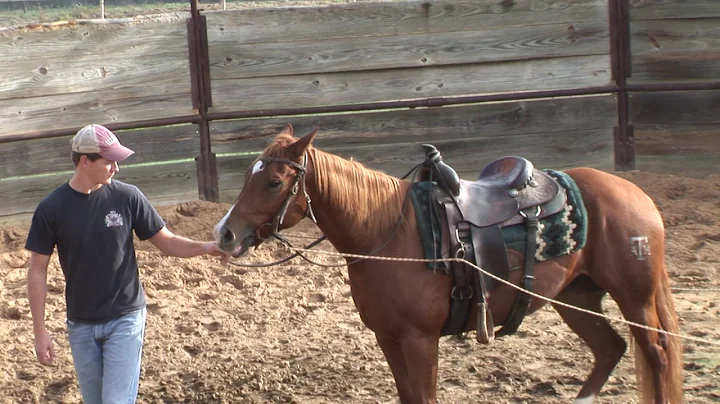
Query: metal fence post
{"type": "Point", "coordinates": [202, 99]}
{"type": "Point", "coordinates": [621, 62]}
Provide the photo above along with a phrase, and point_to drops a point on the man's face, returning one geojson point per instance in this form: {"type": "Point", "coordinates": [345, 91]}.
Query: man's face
{"type": "Point", "coordinates": [102, 170]}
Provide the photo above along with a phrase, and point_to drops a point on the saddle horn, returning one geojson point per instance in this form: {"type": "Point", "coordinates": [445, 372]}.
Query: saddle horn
{"type": "Point", "coordinates": [447, 177]}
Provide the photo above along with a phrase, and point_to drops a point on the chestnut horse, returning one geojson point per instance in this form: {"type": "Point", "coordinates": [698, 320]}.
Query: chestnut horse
{"type": "Point", "coordinates": [361, 211]}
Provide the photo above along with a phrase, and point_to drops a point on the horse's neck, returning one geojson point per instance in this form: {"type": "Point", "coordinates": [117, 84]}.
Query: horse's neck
{"type": "Point", "coordinates": [355, 207]}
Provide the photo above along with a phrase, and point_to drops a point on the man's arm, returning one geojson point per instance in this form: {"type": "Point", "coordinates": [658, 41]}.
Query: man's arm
{"type": "Point", "coordinates": [37, 294]}
{"type": "Point", "coordinates": [177, 246]}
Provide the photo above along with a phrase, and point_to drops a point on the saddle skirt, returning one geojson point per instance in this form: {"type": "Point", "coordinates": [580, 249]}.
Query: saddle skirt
{"type": "Point", "coordinates": [471, 219]}
{"type": "Point", "coordinates": [561, 232]}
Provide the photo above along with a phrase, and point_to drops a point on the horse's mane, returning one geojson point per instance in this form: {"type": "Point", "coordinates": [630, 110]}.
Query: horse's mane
{"type": "Point", "coordinates": [370, 197]}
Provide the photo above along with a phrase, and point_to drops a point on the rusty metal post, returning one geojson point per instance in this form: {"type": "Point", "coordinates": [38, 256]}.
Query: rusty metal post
{"type": "Point", "coordinates": [202, 99]}
{"type": "Point", "coordinates": [620, 57]}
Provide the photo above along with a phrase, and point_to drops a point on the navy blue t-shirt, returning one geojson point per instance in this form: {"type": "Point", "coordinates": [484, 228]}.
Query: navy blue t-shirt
{"type": "Point", "coordinates": [93, 234]}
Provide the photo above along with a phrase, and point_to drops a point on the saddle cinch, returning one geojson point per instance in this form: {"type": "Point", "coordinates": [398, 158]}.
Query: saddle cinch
{"type": "Point", "coordinates": [509, 191]}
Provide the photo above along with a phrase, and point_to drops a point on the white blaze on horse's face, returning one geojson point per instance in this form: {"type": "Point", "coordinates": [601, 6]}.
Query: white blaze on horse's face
{"type": "Point", "coordinates": [259, 166]}
{"type": "Point", "coordinates": [220, 227]}
{"type": "Point", "coordinates": [221, 224]}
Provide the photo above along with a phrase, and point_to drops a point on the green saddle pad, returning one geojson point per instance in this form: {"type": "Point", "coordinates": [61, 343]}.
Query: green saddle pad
{"type": "Point", "coordinates": [560, 234]}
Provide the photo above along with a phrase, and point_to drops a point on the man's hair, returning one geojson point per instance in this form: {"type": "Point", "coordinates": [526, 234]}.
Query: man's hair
{"type": "Point", "coordinates": [91, 156]}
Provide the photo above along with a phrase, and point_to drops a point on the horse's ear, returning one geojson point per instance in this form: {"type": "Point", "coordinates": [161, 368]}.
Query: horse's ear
{"type": "Point", "coordinates": [287, 130]}
{"type": "Point", "coordinates": [301, 145]}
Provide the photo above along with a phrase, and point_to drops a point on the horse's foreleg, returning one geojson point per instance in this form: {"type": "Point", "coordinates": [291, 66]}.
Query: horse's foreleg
{"type": "Point", "coordinates": [421, 356]}
{"type": "Point", "coordinates": [392, 349]}
{"type": "Point", "coordinates": [606, 344]}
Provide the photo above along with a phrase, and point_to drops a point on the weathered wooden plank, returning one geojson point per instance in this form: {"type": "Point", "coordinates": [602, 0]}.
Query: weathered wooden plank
{"type": "Point", "coordinates": [23, 115]}
{"type": "Point", "coordinates": [356, 87]}
{"type": "Point", "coordinates": [50, 155]}
{"type": "Point", "coordinates": [486, 122]}
{"type": "Point", "coordinates": [593, 148]}
{"type": "Point", "coordinates": [676, 50]}
{"type": "Point", "coordinates": [675, 108]}
{"type": "Point", "coordinates": [165, 183]}
{"type": "Point", "coordinates": [95, 58]}
{"type": "Point", "coordinates": [685, 140]}
{"type": "Point", "coordinates": [109, 73]}
{"type": "Point", "coordinates": [677, 132]}
{"type": "Point", "coordinates": [690, 150]}
{"type": "Point", "coordinates": [468, 136]}
{"type": "Point", "coordinates": [393, 18]}
{"type": "Point", "coordinates": [231, 175]}
{"type": "Point", "coordinates": [661, 9]}
{"type": "Point", "coordinates": [232, 60]}
{"type": "Point", "coordinates": [468, 156]}
{"type": "Point", "coordinates": [690, 166]}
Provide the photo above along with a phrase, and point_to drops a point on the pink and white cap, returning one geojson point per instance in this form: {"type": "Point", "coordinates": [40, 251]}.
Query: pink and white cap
{"type": "Point", "coordinates": [99, 139]}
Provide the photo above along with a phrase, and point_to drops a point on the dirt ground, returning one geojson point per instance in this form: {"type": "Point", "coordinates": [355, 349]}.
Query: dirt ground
{"type": "Point", "coordinates": [291, 334]}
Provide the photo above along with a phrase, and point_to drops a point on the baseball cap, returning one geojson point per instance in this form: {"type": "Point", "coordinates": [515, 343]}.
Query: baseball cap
{"type": "Point", "coordinates": [99, 139]}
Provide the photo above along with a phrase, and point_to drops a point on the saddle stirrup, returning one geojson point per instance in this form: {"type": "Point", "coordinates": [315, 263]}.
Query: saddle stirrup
{"type": "Point", "coordinates": [485, 326]}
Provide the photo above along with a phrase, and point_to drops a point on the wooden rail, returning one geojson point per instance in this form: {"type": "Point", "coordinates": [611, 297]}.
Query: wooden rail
{"type": "Point", "coordinates": [639, 88]}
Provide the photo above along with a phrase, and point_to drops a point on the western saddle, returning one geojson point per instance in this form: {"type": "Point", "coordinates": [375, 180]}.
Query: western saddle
{"type": "Point", "coordinates": [509, 191]}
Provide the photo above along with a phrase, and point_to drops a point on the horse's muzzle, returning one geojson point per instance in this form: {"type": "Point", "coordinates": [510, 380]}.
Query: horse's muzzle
{"type": "Point", "coordinates": [237, 244]}
{"type": "Point", "coordinates": [245, 244]}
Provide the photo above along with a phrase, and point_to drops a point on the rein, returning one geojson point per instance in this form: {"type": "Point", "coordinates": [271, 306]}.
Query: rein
{"type": "Point", "coordinates": [300, 181]}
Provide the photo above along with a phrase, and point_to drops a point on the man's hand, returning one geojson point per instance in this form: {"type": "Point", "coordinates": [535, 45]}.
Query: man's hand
{"type": "Point", "coordinates": [211, 248]}
{"type": "Point", "coordinates": [183, 247]}
{"type": "Point", "coordinates": [44, 349]}
{"type": "Point", "coordinates": [37, 292]}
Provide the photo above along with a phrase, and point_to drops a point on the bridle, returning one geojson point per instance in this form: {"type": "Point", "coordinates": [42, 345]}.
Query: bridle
{"type": "Point", "coordinates": [280, 217]}
{"type": "Point", "coordinates": [299, 183]}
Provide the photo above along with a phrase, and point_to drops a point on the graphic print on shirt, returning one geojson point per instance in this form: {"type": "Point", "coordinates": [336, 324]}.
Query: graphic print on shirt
{"type": "Point", "coordinates": [113, 219]}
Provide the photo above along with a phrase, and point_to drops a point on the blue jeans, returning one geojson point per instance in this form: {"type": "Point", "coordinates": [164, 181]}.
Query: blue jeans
{"type": "Point", "coordinates": [107, 358]}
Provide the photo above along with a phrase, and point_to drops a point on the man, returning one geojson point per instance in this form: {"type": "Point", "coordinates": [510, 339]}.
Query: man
{"type": "Point", "coordinates": [90, 219]}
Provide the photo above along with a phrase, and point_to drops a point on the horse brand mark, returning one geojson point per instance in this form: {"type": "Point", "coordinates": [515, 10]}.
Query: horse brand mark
{"type": "Point", "coordinates": [113, 219]}
{"type": "Point", "coordinates": [639, 247]}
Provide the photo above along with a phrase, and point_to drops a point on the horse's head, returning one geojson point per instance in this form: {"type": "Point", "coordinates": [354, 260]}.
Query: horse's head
{"type": "Point", "coordinates": [273, 196]}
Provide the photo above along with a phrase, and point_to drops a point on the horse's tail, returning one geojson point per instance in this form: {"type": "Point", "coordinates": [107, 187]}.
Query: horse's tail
{"type": "Point", "coordinates": [673, 376]}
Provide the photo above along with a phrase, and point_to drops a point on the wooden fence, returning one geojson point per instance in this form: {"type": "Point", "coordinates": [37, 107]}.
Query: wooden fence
{"type": "Point", "coordinates": [676, 44]}
{"type": "Point", "coordinates": [563, 83]}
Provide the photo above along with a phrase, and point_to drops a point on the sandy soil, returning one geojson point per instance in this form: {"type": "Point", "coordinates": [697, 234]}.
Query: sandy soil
{"type": "Point", "coordinates": [291, 334]}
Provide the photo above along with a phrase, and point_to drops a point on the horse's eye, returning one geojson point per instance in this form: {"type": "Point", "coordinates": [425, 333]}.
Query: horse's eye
{"type": "Point", "coordinates": [274, 183]}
